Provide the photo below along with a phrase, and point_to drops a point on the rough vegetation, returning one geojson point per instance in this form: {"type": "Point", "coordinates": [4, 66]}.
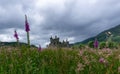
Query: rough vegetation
{"type": "Point", "coordinates": [59, 61]}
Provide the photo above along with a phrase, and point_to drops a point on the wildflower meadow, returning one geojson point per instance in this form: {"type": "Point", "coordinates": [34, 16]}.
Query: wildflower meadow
{"type": "Point", "coordinates": [59, 61]}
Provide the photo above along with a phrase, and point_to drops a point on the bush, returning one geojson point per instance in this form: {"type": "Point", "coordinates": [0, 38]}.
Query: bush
{"type": "Point", "coordinates": [102, 45]}
{"type": "Point", "coordinates": [108, 45]}
{"type": "Point", "coordinates": [112, 45]}
{"type": "Point", "coordinates": [90, 44]}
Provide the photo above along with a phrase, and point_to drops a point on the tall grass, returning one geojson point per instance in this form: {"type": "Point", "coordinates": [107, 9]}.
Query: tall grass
{"type": "Point", "coordinates": [59, 61]}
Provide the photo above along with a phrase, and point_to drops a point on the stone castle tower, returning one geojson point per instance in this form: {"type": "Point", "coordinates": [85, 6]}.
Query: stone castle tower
{"type": "Point", "coordinates": [55, 42]}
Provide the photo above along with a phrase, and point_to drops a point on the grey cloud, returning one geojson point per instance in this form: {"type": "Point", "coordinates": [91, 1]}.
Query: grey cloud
{"type": "Point", "coordinates": [71, 18]}
{"type": "Point", "coordinates": [80, 19]}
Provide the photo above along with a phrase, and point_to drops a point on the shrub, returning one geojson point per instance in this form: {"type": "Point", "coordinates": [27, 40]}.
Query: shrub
{"type": "Point", "coordinates": [90, 44]}
{"type": "Point", "coordinates": [112, 45]}
{"type": "Point", "coordinates": [102, 45]}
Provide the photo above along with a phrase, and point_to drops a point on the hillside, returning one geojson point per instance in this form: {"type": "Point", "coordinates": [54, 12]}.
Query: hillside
{"type": "Point", "coordinates": [102, 36]}
{"type": "Point", "coordinates": [14, 44]}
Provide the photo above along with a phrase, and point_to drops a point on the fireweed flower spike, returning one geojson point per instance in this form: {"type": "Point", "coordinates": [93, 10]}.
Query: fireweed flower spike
{"type": "Point", "coordinates": [27, 29]}
{"type": "Point", "coordinates": [96, 43]}
{"type": "Point", "coordinates": [16, 36]}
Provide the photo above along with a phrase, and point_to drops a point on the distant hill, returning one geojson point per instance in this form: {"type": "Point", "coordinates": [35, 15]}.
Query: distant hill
{"type": "Point", "coordinates": [14, 44]}
{"type": "Point", "coordinates": [102, 36]}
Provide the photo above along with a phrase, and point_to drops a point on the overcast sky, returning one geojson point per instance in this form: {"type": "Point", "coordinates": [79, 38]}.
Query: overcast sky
{"type": "Point", "coordinates": [74, 20]}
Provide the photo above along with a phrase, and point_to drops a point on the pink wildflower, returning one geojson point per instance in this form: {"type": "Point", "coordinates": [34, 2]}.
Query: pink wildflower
{"type": "Point", "coordinates": [102, 60]}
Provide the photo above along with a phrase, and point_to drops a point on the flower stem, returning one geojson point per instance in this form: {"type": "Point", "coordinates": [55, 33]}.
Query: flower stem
{"type": "Point", "coordinates": [28, 38]}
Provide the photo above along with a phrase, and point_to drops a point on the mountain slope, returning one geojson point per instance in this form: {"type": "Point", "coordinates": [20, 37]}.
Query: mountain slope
{"type": "Point", "coordinates": [102, 36]}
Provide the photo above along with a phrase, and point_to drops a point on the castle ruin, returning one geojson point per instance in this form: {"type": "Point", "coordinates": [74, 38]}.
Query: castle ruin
{"type": "Point", "coordinates": [55, 42]}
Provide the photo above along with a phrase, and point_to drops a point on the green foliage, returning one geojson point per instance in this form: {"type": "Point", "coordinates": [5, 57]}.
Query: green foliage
{"type": "Point", "coordinates": [90, 44]}
{"type": "Point", "coordinates": [116, 39]}
{"type": "Point", "coordinates": [75, 47]}
{"type": "Point", "coordinates": [108, 45]}
{"type": "Point", "coordinates": [81, 46]}
{"type": "Point", "coordinates": [112, 45]}
{"type": "Point", "coordinates": [102, 45]}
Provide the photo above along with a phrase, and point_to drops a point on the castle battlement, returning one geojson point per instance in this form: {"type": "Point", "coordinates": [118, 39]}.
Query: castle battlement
{"type": "Point", "coordinates": [55, 42]}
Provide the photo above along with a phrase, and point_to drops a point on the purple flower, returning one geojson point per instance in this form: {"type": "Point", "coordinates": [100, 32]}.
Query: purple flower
{"type": "Point", "coordinates": [102, 60]}
{"type": "Point", "coordinates": [26, 24]}
{"type": "Point", "coordinates": [16, 35]}
{"type": "Point", "coordinates": [96, 43]}
{"type": "Point", "coordinates": [39, 48]}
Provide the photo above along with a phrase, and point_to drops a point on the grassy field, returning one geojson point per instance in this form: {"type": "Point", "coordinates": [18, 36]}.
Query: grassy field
{"type": "Point", "coordinates": [59, 61]}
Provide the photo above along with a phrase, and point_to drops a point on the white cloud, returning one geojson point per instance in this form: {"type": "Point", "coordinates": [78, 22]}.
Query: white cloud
{"type": "Point", "coordinates": [6, 38]}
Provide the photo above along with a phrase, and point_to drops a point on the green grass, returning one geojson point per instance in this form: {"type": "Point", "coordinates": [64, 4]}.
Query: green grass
{"type": "Point", "coordinates": [58, 61]}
